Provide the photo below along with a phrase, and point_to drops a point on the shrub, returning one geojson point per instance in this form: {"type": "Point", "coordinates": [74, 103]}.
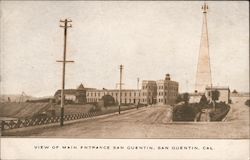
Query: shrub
{"type": "Point", "coordinates": [221, 111]}
{"type": "Point", "coordinates": [185, 112]}
{"type": "Point", "coordinates": [247, 102]}
{"type": "Point", "coordinates": [182, 98]}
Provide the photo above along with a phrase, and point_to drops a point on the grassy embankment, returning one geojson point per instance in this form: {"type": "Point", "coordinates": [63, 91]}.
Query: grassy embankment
{"type": "Point", "coordinates": [28, 110]}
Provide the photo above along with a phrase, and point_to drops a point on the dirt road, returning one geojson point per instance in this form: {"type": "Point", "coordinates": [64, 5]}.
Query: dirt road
{"type": "Point", "coordinates": [147, 122]}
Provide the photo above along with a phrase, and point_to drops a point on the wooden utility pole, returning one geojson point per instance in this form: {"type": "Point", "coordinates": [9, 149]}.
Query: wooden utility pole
{"type": "Point", "coordinates": [138, 80]}
{"type": "Point", "coordinates": [120, 89]}
{"type": "Point", "coordinates": [65, 25]}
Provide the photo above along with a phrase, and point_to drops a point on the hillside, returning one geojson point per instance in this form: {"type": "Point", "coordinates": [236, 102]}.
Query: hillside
{"type": "Point", "coordinates": [14, 98]}
{"type": "Point", "coordinates": [27, 110]}
{"type": "Point", "coordinates": [20, 110]}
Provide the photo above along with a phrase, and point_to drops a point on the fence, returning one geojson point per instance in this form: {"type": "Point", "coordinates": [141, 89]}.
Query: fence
{"type": "Point", "coordinates": [20, 123]}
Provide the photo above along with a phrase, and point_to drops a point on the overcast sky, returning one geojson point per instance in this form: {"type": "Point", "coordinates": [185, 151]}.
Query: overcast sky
{"type": "Point", "coordinates": [149, 38]}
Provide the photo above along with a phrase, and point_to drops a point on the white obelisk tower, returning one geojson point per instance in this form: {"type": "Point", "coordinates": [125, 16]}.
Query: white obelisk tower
{"type": "Point", "coordinates": [203, 75]}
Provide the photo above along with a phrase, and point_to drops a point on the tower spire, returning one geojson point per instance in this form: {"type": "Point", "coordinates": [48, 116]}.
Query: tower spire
{"type": "Point", "coordinates": [204, 7]}
{"type": "Point", "coordinates": [203, 75]}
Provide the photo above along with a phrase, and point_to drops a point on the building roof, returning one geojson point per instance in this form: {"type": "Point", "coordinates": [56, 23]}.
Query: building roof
{"type": "Point", "coordinates": [67, 91]}
{"type": "Point", "coordinates": [148, 81]}
{"type": "Point", "coordinates": [81, 87]}
{"type": "Point", "coordinates": [217, 87]}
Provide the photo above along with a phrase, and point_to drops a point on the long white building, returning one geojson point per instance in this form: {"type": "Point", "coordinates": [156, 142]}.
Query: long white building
{"type": "Point", "coordinates": [151, 92]}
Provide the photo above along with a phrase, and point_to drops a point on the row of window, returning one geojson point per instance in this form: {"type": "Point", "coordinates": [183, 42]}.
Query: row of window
{"type": "Point", "coordinates": [175, 87]}
{"type": "Point", "coordinates": [168, 87]}
{"type": "Point", "coordinates": [98, 94]}
{"type": "Point", "coordinates": [143, 100]}
{"type": "Point", "coordinates": [167, 93]}
{"type": "Point", "coordinates": [146, 93]}
{"type": "Point", "coordinates": [165, 100]}
{"type": "Point", "coordinates": [122, 100]}
{"type": "Point", "coordinates": [148, 87]}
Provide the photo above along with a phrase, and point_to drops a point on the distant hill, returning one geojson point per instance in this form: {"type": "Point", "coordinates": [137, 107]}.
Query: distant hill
{"type": "Point", "coordinates": [14, 98]}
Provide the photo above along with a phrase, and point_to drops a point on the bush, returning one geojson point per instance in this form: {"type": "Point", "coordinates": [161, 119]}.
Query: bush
{"type": "Point", "coordinates": [220, 112]}
{"type": "Point", "coordinates": [215, 95]}
{"type": "Point", "coordinates": [95, 109]}
{"type": "Point", "coordinates": [203, 100]}
{"type": "Point", "coordinates": [247, 102]}
{"type": "Point", "coordinates": [182, 98]}
{"type": "Point", "coordinates": [178, 99]}
{"type": "Point", "coordinates": [108, 100]}
{"type": "Point", "coordinates": [185, 112]}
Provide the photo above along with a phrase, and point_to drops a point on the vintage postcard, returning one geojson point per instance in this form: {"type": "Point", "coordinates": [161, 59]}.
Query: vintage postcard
{"type": "Point", "coordinates": [124, 80]}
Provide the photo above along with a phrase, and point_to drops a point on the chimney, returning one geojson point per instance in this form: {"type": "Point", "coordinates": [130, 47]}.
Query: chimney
{"type": "Point", "coordinates": [167, 77]}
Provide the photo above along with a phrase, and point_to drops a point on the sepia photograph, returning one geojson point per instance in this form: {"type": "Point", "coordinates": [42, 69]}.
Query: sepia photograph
{"type": "Point", "coordinates": [143, 70]}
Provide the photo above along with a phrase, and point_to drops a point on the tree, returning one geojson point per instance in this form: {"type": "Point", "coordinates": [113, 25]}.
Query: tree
{"type": "Point", "coordinates": [203, 100]}
{"type": "Point", "coordinates": [108, 100]}
{"type": "Point", "coordinates": [234, 91]}
{"type": "Point", "coordinates": [215, 96]}
{"type": "Point", "coordinates": [186, 98]}
{"type": "Point", "coordinates": [178, 99]}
